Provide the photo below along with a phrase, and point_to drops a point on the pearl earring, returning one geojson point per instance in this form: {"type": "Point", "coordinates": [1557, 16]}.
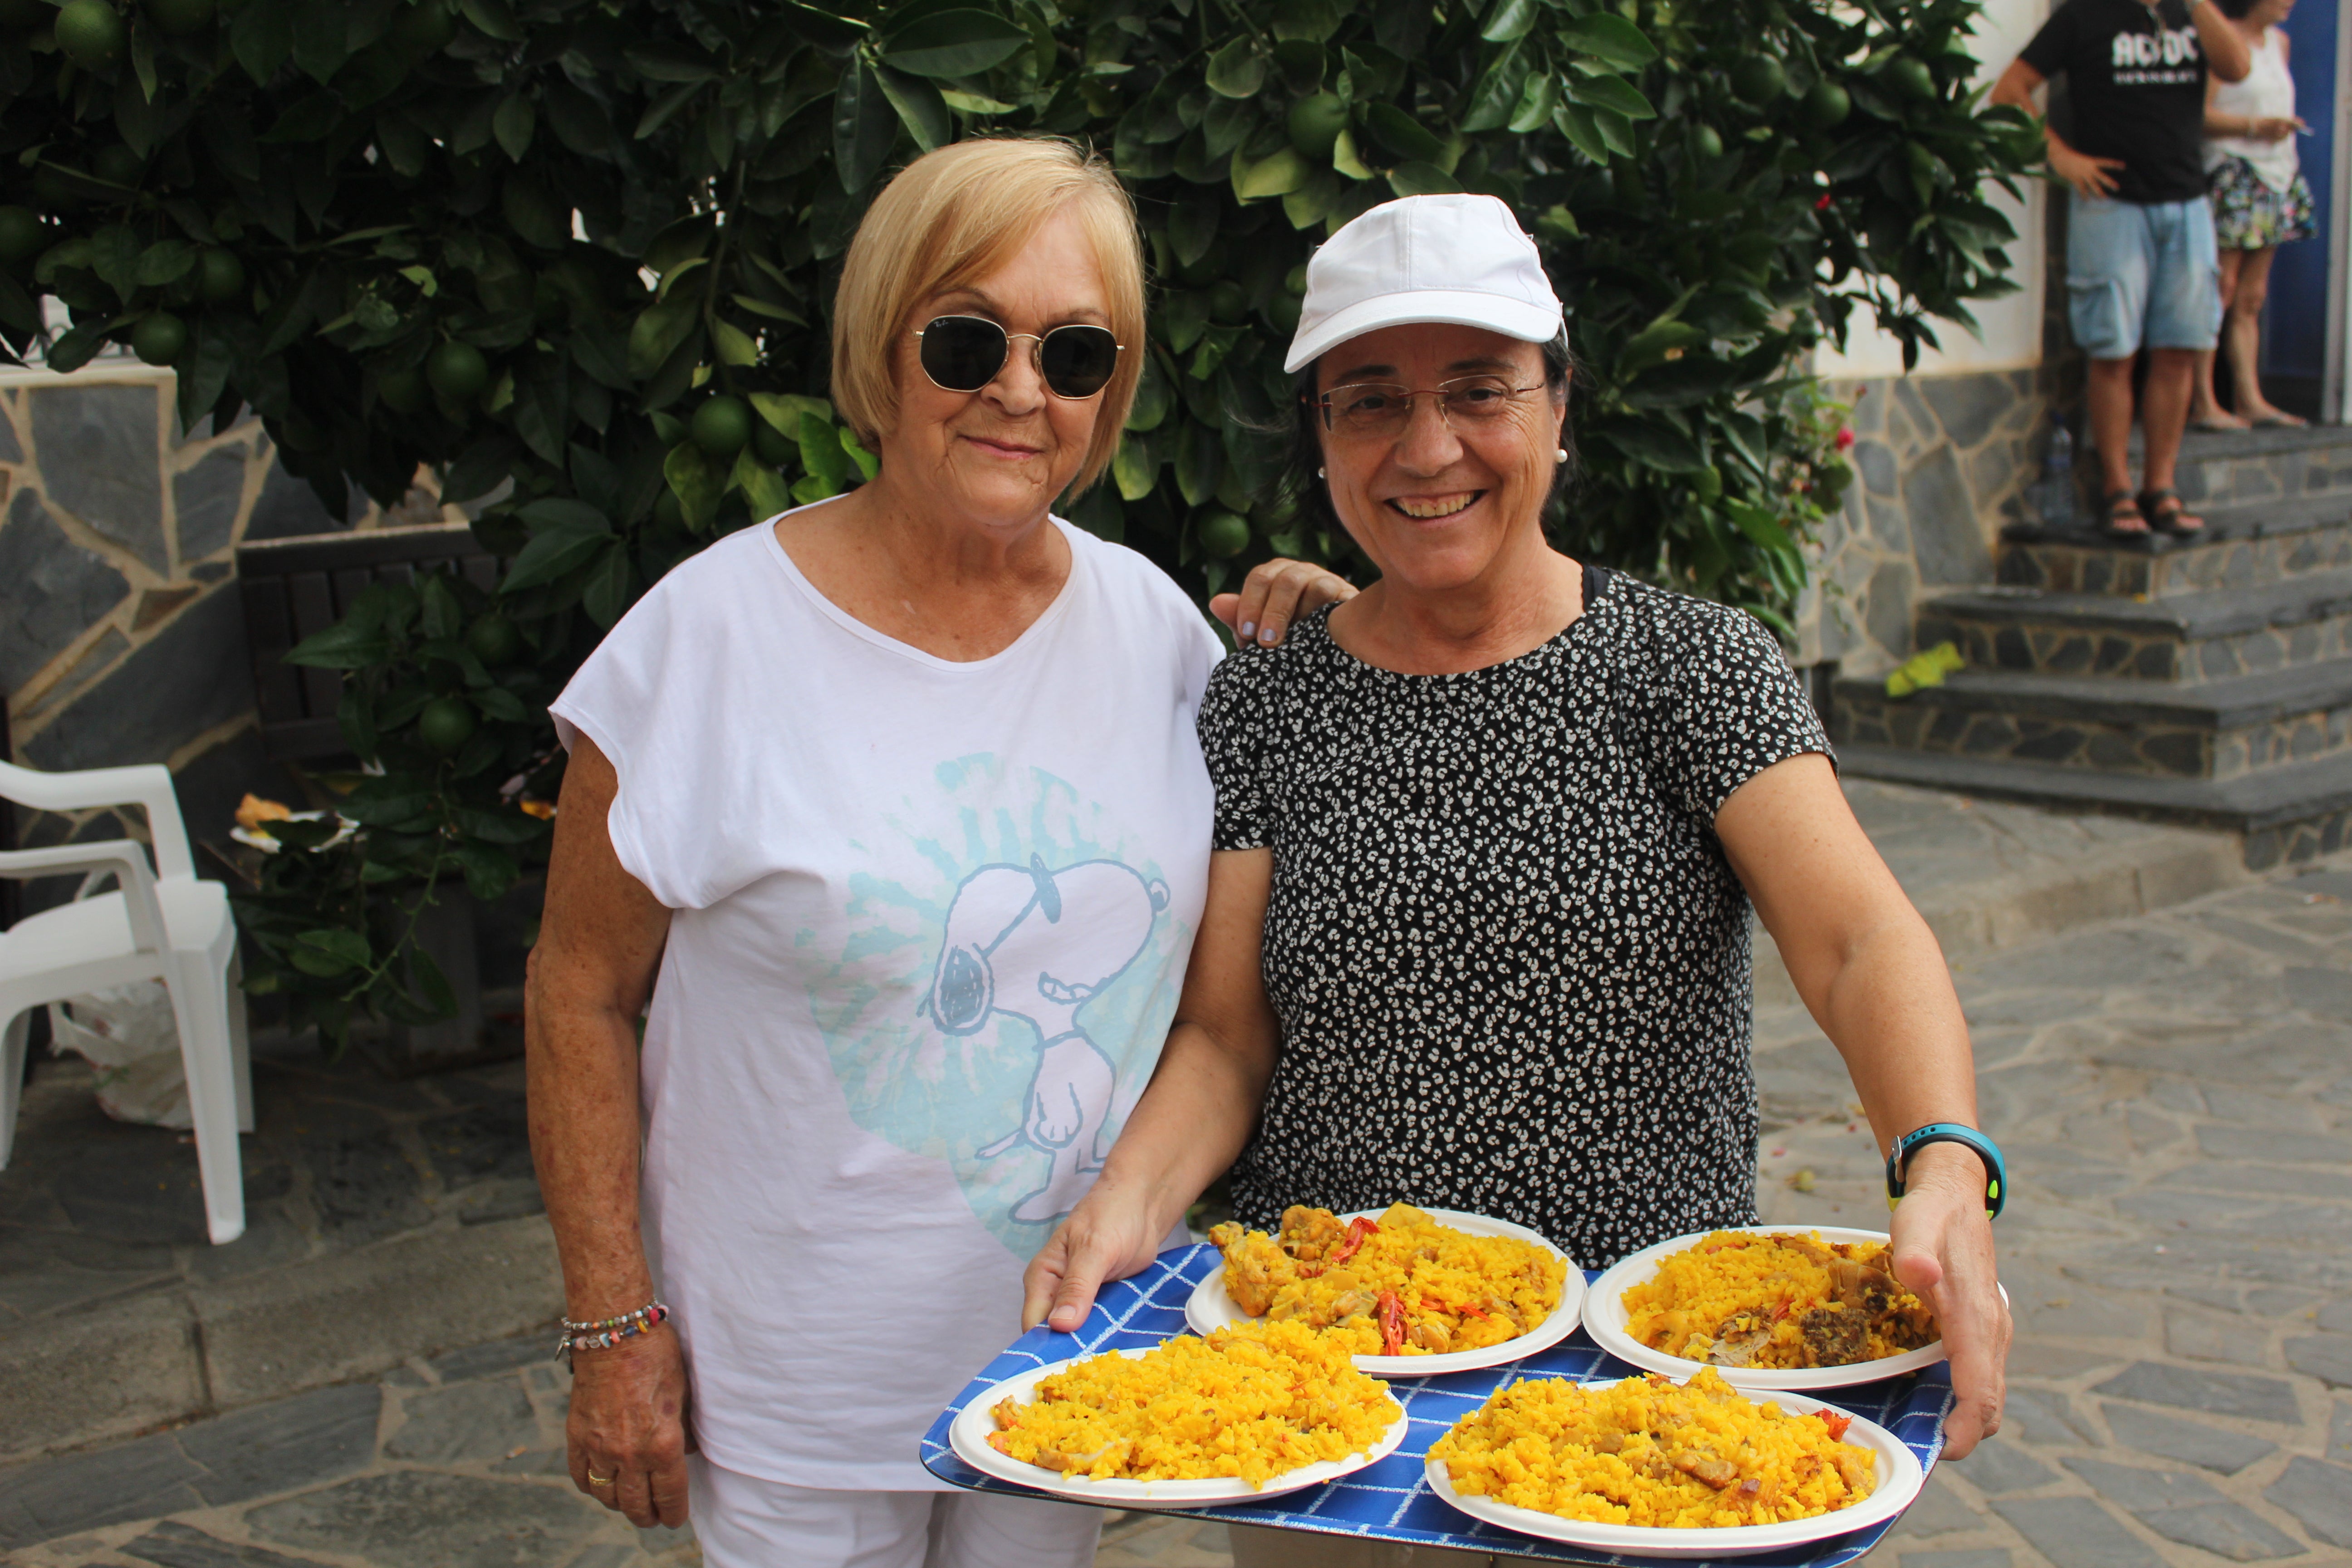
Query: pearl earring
{"type": "Point", "coordinates": [1559, 454]}
{"type": "Point", "coordinates": [1322, 473]}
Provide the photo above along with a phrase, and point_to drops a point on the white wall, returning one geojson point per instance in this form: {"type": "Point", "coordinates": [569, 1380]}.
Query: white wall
{"type": "Point", "coordinates": [2010, 327]}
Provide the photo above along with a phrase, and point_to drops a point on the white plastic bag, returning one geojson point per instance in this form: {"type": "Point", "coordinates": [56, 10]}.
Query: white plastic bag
{"type": "Point", "coordinates": [129, 1034]}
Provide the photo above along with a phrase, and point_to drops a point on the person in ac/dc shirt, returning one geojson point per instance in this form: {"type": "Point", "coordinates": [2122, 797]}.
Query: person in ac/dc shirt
{"type": "Point", "coordinates": [2142, 267]}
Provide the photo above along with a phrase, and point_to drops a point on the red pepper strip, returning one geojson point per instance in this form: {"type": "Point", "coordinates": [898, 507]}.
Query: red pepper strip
{"type": "Point", "coordinates": [1391, 1317]}
{"type": "Point", "coordinates": [1836, 1423]}
{"type": "Point", "coordinates": [1359, 1229]}
{"type": "Point", "coordinates": [1474, 1311]}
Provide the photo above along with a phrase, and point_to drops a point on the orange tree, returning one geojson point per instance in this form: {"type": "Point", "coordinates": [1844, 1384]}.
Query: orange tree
{"type": "Point", "coordinates": [576, 256]}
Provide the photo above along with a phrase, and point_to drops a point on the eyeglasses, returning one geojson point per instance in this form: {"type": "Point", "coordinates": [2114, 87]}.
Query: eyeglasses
{"type": "Point", "coordinates": [1368, 410]}
{"type": "Point", "coordinates": [964, 354]}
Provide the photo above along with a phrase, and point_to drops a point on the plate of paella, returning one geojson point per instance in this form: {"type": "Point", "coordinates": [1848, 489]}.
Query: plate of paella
{"type": "Point", "coordinates": [1786, 1308]}
{"type": "Point", "coordinates": [1652, 1468]}
{"type": "Point", "coordinates": [1407, 1292]}
{"type": "Point", "coordinates": [1247, 1412]}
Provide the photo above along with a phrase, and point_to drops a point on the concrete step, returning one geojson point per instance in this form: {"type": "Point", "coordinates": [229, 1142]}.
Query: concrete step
{"type": "Point", "coordinates": [2185, 638]}
{"type": "Point", "coordinates": [2219, 729]}
{"type": "Point", "coordinates": [2242, 546]}
{"type": "Point", "coordinates": [2286, 814]}
{"type": "Point", "coordinates": [2229, 466]}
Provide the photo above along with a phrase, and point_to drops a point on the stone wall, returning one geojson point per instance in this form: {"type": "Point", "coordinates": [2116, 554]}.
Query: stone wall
{"type": "Point", "coordinates": [121, 637]}
{"type": "Point", "coordinates": [1941, 463]}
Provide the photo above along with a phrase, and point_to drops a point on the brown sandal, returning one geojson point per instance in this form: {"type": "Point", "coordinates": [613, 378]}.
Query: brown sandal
{"type": "Point", "coordinates": [2176, 520]}
{"type": "Point", "coordinates": [2118, 509]}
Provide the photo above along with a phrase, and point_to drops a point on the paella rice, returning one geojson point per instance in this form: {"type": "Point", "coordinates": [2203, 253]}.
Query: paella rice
{"type": "Point", "coordinates": [1742, 1299]}
{"type": "Point", "coordinates": [1250, 1401]}
{"type": "Point", "coordinates": [1646, 1452]}
{"type": "Point", "coordinates": [1402, 1285]}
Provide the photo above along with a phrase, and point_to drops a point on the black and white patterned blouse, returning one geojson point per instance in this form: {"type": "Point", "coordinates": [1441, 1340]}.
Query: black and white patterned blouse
{"type": "Point", "coordinates": [1508, 955]}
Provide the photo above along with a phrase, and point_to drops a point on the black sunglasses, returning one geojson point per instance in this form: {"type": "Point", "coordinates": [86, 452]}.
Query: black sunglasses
{"type": "Point", "coordinates": [964, 354]}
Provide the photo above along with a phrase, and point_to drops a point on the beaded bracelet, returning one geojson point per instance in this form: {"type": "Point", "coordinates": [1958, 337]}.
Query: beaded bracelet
{"type": "Point", "coordinates": [606, 1332]}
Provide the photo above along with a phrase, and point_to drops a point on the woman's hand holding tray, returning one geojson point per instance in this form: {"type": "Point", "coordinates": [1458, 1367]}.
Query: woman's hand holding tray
{"type": "Point", "coordinates": [1392, 1501]}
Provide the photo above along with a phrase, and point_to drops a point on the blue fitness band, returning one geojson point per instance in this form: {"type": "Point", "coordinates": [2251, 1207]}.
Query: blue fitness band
{"type": "Point", "coordinates": [1996, 1170]}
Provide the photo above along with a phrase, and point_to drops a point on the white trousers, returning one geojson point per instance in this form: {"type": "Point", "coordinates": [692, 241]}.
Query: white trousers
{"type": "Point", "coordinates": [742, 1522]}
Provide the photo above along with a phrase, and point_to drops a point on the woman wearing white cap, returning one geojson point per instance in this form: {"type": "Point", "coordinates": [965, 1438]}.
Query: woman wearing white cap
{"type": "Point", "coordinates": [1488, 837]}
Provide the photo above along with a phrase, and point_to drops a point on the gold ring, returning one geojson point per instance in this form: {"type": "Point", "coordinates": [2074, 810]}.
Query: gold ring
{"type": "Point", "coordinates": [597, 1480]}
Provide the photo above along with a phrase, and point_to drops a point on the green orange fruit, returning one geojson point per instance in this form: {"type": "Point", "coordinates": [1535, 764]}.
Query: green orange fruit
{"type": "Point", "coordinates": [160, 339]}
{"type": "Point", "coordinates": [1228, 301]}
{"type": "Point", "coordinates": [1223, 534]}
{"type": "Point", "coordinates": [446, 723]}
{"type": "Point", "coordinates": [1708, 141]}
{"type": "Point", "coordinates": [403, 391]}
{"type": "Point", "coordinates": [181, 16]}
{"type": "Point", "coordinates": [1316, 122]}
{"type": "Point", "coordinates": [458, 373]}
{"type": "Point", "coordinates": [220, 276]}
{"type": "Point", "coordinates": [494, 640]}
{"type": "Point", "coordinates": [1910, 78]}
{"type": "Point", "coordinates": [722, 426]}
{"type": "Point", "coordinates": [1758, 79]}
{"type": "Point", "coordinates": [1825, 107]}
{"type": "Point", "coordinates": [21, 235]}
{"type": "Point", "coordinates": [91, 33]}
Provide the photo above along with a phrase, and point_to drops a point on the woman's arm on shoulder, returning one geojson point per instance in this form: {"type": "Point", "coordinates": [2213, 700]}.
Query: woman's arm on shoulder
{"type": "Point", "coordinates": [1200, 1106]}
{"type": "Point", "coordinates": [592, 973]}
{"type": "Point", "coordinates": [1873, 977]}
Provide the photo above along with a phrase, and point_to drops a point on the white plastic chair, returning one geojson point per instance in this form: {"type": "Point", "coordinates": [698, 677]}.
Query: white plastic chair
{"type": "Point", "coordinates": [160, 924]}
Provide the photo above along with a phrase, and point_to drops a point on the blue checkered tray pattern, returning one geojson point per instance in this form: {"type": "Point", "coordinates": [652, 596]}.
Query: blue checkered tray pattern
{"type": "Point", "coordinates": [1392, 1501]}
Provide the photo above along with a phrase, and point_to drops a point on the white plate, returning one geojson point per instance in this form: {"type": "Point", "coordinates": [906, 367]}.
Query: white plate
{"type": "Point", "coordinates": [1899, 1480]}
{"type": "Point", "coordinates": [1211, 1307]}
{"type": "Point", "coordinates": [1605, 1317]}
{"type": "Point", "coordinates": [968, 1435]}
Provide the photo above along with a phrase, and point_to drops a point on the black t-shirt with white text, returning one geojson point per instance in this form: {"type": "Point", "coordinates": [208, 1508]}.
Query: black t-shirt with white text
{"type": "Point", "coordinates": [2135, 77]}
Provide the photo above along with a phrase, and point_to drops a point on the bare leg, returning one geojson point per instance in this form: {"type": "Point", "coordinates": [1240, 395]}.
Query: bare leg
{"type": "Point", "coordinates": [2242, 334]}
{"type": "Point", "coordinates": [2110, 394]}
{"type": "Point", "coordinates": [2163, 416]}
{"type": "Point", "coordinates": [2204, 411]}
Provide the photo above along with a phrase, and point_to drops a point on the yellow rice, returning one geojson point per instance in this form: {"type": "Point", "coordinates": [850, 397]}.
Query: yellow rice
{"type": "Point", "coordinates": [1457, 1291]}
{"type": "Point", "coordinates": [1251, 1401]}
{"type": "Point", "coordinates": [1645, 1452]}
{"type": "Point", "coordinates": [1732, 1284]}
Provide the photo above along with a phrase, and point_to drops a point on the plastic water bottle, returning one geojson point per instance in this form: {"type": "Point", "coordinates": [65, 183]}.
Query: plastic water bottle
{"type": "Point", "coordinates": [2057, 501]}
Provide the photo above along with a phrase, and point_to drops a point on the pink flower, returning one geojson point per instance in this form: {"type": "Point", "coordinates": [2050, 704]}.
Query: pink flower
{"type": "Point", "coordinates": [1845, 438]}
{"type": "Point", "coordinates": [1823, 204]}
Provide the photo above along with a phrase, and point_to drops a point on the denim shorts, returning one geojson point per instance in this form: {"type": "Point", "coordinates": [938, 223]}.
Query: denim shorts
{"type": "Point", "coordinates": [2141, 273]}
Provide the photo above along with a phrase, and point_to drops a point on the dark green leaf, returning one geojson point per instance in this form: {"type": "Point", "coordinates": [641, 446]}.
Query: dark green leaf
{"type": "Point", "coordinates": [1400, 133]}
{"type": "Point", "coordinates": [262, 35]}
{"type": "Point", "coordinates": [343, 645]}
{"type": "Point", "coordinates": [1610, 91]}
{"type": "Point", "coordinates": [1511, 20]}
{"type": "Point", "coordinates": [864, 126]}
{"type": "Point", "coordinates": [1658, 445]}
{"type": "Point", "coordinates": [513, 123]}
{"type": "Point", "coordinates": [1238, 69]}
{"type": "Point", "coordinates": [1415, 178]}
{"type": "Point", "coordinates": [952, 44]}
{"type": "Point", "coordinates": [658, 61]}
{"type": "Point", "coordinates": [921, 109]}
{"type": "Point", "coordinates": [606, 597]}
{"type": "Point", "coordinates": [1694, 378]}
{"type": "Point", "coordinates": [1610, 37]}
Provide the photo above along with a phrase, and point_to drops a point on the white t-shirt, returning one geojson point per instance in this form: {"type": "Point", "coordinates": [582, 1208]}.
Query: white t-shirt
{"type": "Point", "coordinates": [930, 923]}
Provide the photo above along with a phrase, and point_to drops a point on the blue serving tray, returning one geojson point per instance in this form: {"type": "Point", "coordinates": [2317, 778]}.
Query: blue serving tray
{"type": "Point", "coordinates": [1392, 1501]}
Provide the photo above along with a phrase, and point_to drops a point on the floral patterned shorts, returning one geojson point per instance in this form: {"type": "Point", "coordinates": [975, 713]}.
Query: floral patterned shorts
{"type": "Point", "coordinates": [2250, 215]}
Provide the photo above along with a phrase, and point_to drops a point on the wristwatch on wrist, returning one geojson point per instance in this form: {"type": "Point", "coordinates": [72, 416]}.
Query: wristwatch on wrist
{"type": "Point", "coordinates": [1996, 1170]}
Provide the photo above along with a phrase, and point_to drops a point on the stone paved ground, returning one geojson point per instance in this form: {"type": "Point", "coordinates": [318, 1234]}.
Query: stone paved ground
{"type": "Point", "coordinates": [2175, 1089]}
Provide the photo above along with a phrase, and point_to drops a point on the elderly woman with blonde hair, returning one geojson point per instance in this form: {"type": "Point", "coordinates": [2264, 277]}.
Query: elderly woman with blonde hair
{"type": "Point", "coordinates": [890, 819]}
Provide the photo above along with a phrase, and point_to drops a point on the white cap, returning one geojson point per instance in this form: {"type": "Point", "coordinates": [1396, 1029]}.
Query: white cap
{"type": "Point", "coordinates": [1459, 259]}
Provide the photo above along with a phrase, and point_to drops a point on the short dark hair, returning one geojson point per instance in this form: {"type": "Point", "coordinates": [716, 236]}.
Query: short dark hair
{"type": "Point", "coordinates": [1301, 485]}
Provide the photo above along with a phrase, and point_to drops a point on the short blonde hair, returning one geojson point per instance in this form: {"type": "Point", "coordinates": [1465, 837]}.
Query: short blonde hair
{"type": "Point", "coordinates": [953, 216]}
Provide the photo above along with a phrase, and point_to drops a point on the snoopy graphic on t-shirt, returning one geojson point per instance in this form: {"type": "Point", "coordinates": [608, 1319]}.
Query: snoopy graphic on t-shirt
{"type": "Point", "coordinates": [1027, 943]}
